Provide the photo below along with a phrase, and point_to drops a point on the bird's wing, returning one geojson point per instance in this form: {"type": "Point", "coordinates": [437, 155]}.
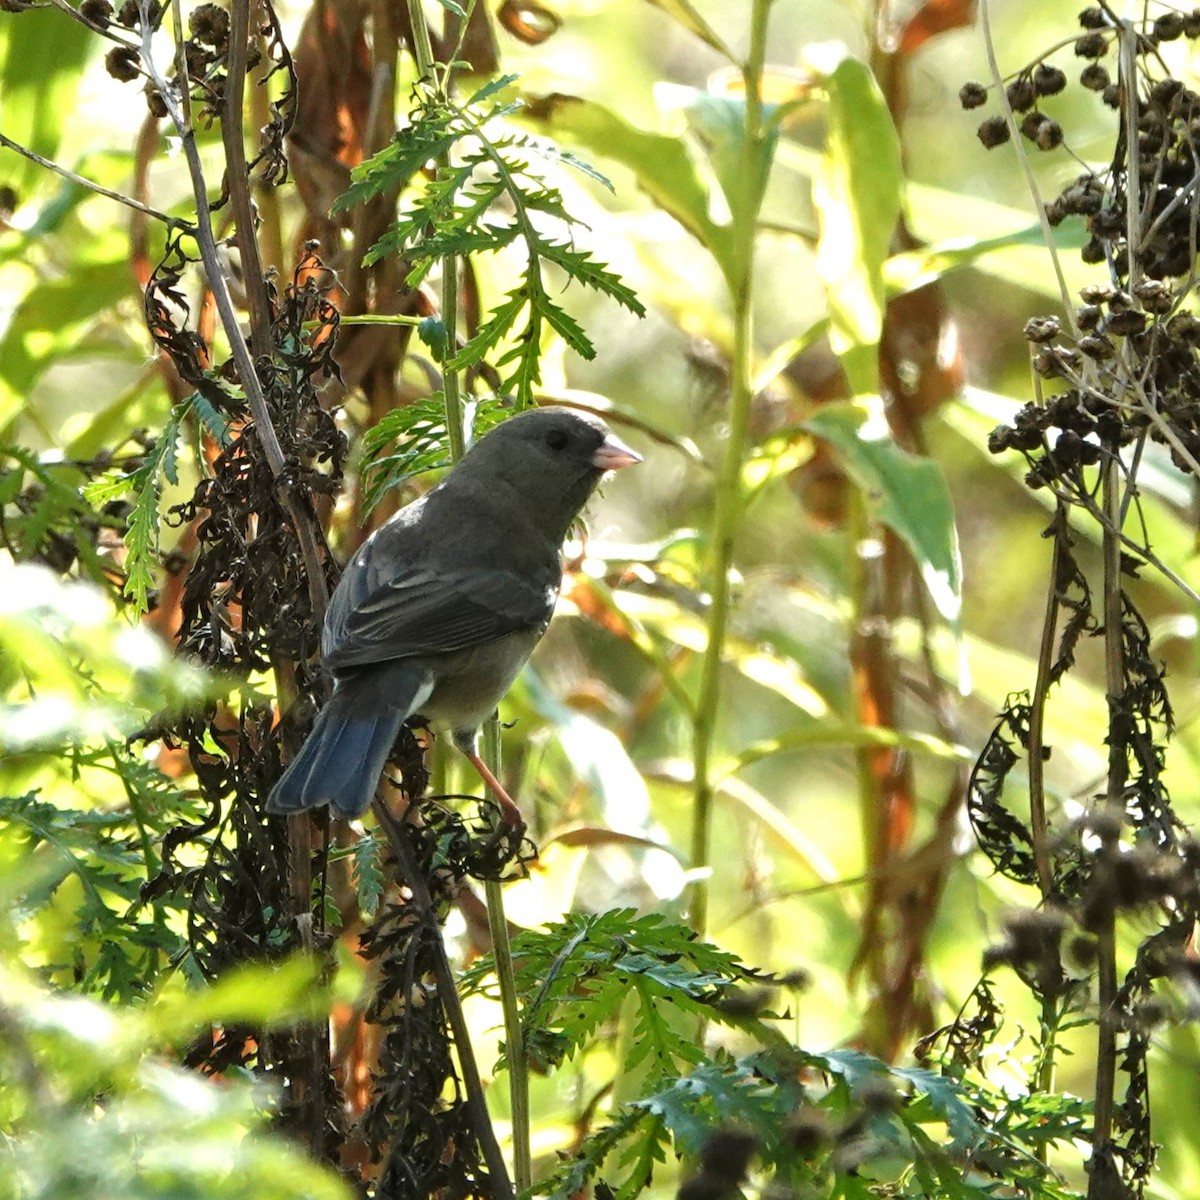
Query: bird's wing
{"type": "Point", "coordinates": [424, 612]}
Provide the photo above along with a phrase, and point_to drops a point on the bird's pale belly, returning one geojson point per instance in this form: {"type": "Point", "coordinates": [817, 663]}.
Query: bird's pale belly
{"type": "Point", "coordinates": [470, 683]}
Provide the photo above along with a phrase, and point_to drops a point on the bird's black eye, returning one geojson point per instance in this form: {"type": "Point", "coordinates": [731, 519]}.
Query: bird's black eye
{"type": "Point", "coordinates": [556, 439]}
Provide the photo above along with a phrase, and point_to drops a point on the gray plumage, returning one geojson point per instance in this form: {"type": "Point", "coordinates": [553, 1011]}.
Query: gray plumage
{"type": "Point", "coordinates": [438, 610]}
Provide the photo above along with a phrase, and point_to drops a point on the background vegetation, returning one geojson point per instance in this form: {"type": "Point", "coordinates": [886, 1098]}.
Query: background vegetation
{"type": "Point", "coordinates": [859, 760]}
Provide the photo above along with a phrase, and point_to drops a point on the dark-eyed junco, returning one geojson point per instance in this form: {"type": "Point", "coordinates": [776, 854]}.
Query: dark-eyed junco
{"type": "Point", "coordinates": [439, 609]}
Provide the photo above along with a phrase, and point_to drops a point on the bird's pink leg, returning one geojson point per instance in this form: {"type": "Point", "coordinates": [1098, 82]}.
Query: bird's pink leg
{"type": "Point", "coordinates": [510, 813]}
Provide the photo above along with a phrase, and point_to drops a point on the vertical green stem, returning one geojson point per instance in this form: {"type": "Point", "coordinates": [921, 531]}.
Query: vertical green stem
{"type": "Point", "coordinates": [514, 1038]}
{"type": "Point", "coordinates": [514, 1042]}
{"type": "Point", "coordinates": [451, 394]}
{"type": "Point", "coordinates": [727, 504]}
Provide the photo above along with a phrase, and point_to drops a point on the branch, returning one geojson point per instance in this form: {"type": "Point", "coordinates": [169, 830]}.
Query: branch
{"type": "Point", "coordinates": [422, 901]}
{"type": "Point", "coordinates": [91, 186]}
{"type": "Point", "coordinates": [318, 593]}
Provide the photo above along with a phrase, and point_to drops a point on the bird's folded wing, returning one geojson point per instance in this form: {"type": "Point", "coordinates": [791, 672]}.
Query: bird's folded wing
{"type": "Point", "coordinates": [425, 612]}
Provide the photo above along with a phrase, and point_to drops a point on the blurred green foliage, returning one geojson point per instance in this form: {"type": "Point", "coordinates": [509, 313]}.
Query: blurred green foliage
{"type": "Point", "coordinates": [889, 935]}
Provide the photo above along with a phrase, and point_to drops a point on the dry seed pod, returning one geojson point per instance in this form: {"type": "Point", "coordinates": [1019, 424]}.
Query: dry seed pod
{"type": "Point", "coordinates": [1049, 135]}
{"type": "Point", "coordinates": [1021, 94]}
{"type": "Point", "coordinates": [1168, 27]}
{"type": "Point", "coordinates": [1127, 322]}
{"type": "Point", "coordinates": [1099, 348]}
{"type": "Point", "coordinates": [972, 95]}
{"type": "Point", "coordinates": [121, 62]}
{"type": "Point", "coordinates": [993, 132]}
{"type": "Point", "coordinates": [98, 12]}
{"type": "Point", "coordinates": [1042, 329]}
{"type": "Point", "coordinates": [1155, 296]}
{"type": "Point", "coordinates": [1048, 80]}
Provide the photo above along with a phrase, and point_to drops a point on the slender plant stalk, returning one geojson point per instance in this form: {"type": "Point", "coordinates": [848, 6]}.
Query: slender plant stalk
{"type": "Point", "coordinates": [1047, 1059]}
{"type": "Point", "coordinates": [1106, 948]}
{"type": "Point", "coordinates": [1114, 660]}
{"type": "Point", "coordinates": [514, 1040]}
{"type": "Point", "coordinates": [237, 176]}
{"type": "Point", "coordinates": [514, 1036]}
{"type": "Point", "coordinates": [728, 500]}
{"type": "Point", "coordinates": [451, 1004]}
{"type": "Point", "coordinates": [179, 110]}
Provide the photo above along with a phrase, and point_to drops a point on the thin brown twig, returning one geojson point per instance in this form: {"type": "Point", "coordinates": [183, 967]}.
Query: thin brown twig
{"type": "Point", "coordinates": [92, 186]}
{"type": "Point", "coordinates": [177, 110]}
{"type": "Point", "coordinates": [237, 177]}
{"type": "Point", "coordinates": [412, 878]}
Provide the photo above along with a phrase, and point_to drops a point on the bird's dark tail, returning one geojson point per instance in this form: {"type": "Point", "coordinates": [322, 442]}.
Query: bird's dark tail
{"type": "Point", "coordinates": [344, 755]}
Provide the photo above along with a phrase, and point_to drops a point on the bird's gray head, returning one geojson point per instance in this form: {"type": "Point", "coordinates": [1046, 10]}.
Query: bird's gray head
{"type": "Point", "coordinates": [549, 460]}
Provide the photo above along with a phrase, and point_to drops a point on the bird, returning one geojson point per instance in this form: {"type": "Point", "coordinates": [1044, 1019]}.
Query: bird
{"type": "Point", "coordinates": [437, 611]}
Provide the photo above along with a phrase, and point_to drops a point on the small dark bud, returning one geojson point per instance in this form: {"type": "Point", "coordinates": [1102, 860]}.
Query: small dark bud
{"type": "Point", "coordinates": [1021, 94]}
{"type": "Point", "coordinates": [877, 1096]}
{"type": "Point", "coordinates": [972, 95]}
{"type": "Point", "coordinates": [1119, 300]}
{"type": "Point", "coordinates": [999, 440]}
{"type": "Point", "coordinates": [1049, 135]}
{"type": "Point", "coordinates": [121, 62]}
{"type": "Point", "coordinates": [1155, 295]}
{"type": "Point", "coordinates": [1168, 26]}
{"type": "Point", "coordinates": [1095, 77]}
{"type": "Point", "coordinates": [1031, 124]}
{"type": "Point", "coordinates": [1092, 18]}
{"type": "Point", "coordinates": [209, 24]}
{"type": "Point", "coordinates": [993, 132]}
{"type": "Point", "coordinates": [1048, 80]}
{"type": "Point", "coordinates": [154, 102]}
{"type": "Point", "coordinates": [129, 14]}
{"type": "Point", "coordinates": [1091, 45]}
{"type": "Point", "coordinates": [98, 12]}
{"type": "Point", "coordinates": [726, 1154]}
{"type": "Point", "coordinates": [807, 1132]}
{"type": "Point", "coordinates": [1092, 252]}
{"type": "Point", "coordinates": [1042, 329]}
{"type": "Point", "coordinates": [1088, 317]}
{"type": "Point", "coordinates": [1127, 323]}
{"type": "Point", "coordinates": [1112, 95]}
{"type": "Point", "coordinates": [1095, 293]}
{"type": "Point", "coordinates": [1099, 348]}
{"type": "Point", "coordinates": [1080, 951]}
{"type": "Point", "coordinates": [1165, 91]}
{"type": "Point", "coordinates": [1184, 327]}
{"type": "Point", "coordinates": [1191, 24]}
{"type": "Point", "coordinates": [1054, 361]}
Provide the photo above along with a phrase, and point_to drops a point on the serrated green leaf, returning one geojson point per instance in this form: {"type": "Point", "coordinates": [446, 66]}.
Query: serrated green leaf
{"type": "Point", "coordinates": [491, 88]}
{"type": "Point", "coordinates": [368, 874]}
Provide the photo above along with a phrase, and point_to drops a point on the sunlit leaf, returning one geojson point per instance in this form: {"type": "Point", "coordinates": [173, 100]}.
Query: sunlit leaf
{"type": "Point", "coordinates": [661, 164]}
{"type": "Point", "coordinates": [685, 14]}
{"type": "Point", "coordinates": [857, 194]}
{"type": "Point", "coordinates": [907, 493]}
